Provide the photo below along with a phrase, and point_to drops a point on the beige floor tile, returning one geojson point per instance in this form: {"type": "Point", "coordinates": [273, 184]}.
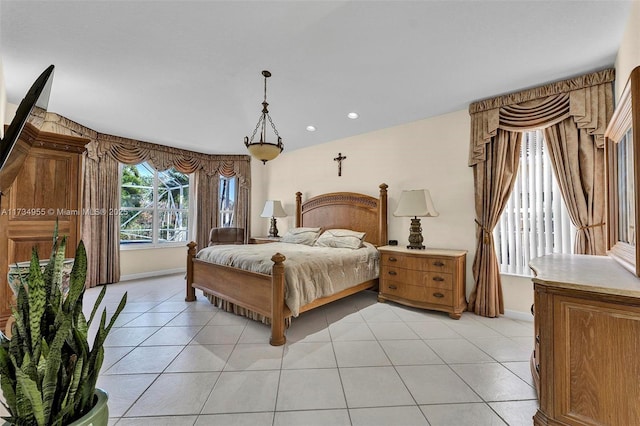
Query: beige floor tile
{"type": "Point", "coordinates": [196, 358]}
{"type": "Point", "coordinates": [388, 416]}
{"type": "Point", "coordinates": [243, 391]}
{"type": "Point", "coordinates": [174, 394]}
{"type": "Point", "coordinates": [145, 359]}
{"type": "Point", "coordinates": [237, 419]}
{"type": "Point", "coordinates": [124, 390]}
{"type": "Point", "coordinates": [367, 353]}
{"type": "Point", "coordinates": [172, 336]}
{"type": "Point", "coordinates": [312, 418]}
{"type": "Point", "coordinates": [516, 413]}
{"type": "Point", "coordinates": [255, 356]}
{"type": "Point", "coordinates": [475, 414]}
{"type": "Point", "coordinates": [410, 352]}
{"type": "Point", "coordinates": [299, 355]}
{"type": "Point", "coordinates": [493, 382]}
{"type": "Point", "coordinates": [436, 384]}
{"type": "Point", "coordinates": [310, 390]}
{"type": "Point", "coordinates": [374, 386]}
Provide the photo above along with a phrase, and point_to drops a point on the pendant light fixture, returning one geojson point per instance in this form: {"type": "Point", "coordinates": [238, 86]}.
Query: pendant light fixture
{"type": "Point", "coordinates": [263, 150]}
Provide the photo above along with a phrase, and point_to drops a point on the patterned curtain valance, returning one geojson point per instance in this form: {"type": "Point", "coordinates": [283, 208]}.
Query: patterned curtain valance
{"type": "Point", "coordinates": [588, 99]}
{"type": "Point", "coordinates": [131, 151]}
{"type": "Point", "coordinates": [563, 86]}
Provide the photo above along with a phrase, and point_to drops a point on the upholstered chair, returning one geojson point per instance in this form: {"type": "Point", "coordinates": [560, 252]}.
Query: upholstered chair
{"type": "Point", "coordinates": [226, 236]}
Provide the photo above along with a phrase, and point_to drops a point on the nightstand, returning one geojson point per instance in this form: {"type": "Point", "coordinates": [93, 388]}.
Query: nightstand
{"type": "Point", "coordinates": [429, 279]}
{"type": "Point", "coordinates": [264, 240]}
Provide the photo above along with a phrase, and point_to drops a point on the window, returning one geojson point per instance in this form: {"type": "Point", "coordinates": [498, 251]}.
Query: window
{"type": "Point", "coordinates": [535, 221]}
{"type": "Point", "coordinates": [227, 201]}
{"type": "Point", "coordinates": [154, 206]}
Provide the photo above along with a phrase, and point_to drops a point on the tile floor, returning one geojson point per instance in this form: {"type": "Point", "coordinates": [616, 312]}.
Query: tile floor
{"type": "Point", "coordinates": [353, 362]}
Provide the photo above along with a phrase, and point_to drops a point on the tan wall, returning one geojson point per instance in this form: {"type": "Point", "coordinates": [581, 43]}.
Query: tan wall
{"type": "Point", "coordinates": [147, 262]}
{"type": "Point", "coordinates": [629, 52]}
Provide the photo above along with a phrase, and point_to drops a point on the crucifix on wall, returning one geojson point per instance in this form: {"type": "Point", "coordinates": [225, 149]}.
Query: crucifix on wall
{"type": "Point", "coordinates": [339, 159]}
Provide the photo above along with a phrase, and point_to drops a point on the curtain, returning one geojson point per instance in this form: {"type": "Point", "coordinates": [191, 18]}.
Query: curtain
{"type": "Point", "coordinates": [101, 231]}
{"type": "Point", "coordinates": [575, 113]}
{"type": "Point", "coordinates": [207, 216]}
{"type": "Point", "coordinates": [494, 179]}
{"type": "Point", "coordinates": [207, 187]}
{"type": "Point", "coordinates": [578, 165]}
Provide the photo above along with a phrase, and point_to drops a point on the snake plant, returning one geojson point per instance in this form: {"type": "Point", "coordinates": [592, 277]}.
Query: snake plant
{"type": "Point", "coordinates": [48, 369]}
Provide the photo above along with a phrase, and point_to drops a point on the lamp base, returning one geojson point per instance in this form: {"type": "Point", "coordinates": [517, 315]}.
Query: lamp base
{"type": "Point", "coordinates": [273, 229]}
{"type": "Point", "coordinates": [415, 235]}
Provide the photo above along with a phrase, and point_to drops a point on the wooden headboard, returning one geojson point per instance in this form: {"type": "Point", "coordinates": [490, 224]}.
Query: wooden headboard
{"type": "Point", "coordinates": [346, 210]}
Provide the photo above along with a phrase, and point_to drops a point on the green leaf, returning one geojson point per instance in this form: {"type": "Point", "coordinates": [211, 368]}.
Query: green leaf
{"type": "Point", "coordinates": [58, 263]}
{"type": "Point", "coordinates": [96, 305]}
{"type": "Point", "coordinates": [30, 390]}
{"type": "Point", "coordinates": [78, 278]}
{"type": "Point", "coordinates": [54, 361]}
{"type": "Point", "coordinates": [37, 303]}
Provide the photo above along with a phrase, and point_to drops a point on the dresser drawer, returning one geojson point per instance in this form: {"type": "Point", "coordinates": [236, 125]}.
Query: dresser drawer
{"type": "Point", "coordinates": [418, 278]}
{"type": "Point", "coordinates": [435, 264]}
{"type": "Point", "coordinates": [418, 293]}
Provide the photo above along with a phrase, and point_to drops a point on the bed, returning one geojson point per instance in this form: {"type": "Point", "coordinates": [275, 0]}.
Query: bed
{"type": "Point", "coordinates": [264, 293]}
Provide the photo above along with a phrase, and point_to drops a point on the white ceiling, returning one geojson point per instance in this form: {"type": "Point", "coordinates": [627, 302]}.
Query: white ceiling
{"type": "Point", "coordinates": [188, 73]}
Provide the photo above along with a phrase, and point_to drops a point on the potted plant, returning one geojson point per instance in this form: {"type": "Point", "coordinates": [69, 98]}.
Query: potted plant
{"type": "Point", "coordinates": [48, 369]}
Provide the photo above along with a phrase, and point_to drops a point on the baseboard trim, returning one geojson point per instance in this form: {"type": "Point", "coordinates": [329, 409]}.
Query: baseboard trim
{"type": "Point", "coordinates": [517, 315]}
{"type": "Point", "coordinates": [150, 274]}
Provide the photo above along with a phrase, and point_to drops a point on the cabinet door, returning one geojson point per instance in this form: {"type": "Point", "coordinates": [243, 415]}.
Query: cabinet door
{"type": "Point", "coordinates": [596, 378]}
{"type": "Point", "coordinates": [48, 187]}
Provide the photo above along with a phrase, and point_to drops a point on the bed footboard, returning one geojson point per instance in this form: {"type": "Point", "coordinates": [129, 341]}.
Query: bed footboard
{"type": "Point", "coordinates": [257, 292]}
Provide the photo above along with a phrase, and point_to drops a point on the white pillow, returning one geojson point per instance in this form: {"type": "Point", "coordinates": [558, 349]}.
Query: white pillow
{"type": "Point", "coordinates": [340, 238]}
{"type": "Point", "coordinates": [301, 236]}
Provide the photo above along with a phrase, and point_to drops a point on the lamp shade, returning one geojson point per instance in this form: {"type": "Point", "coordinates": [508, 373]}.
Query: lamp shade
{"type": "Point", "coordinates": [273, 208]}
{"type": "Point", "coordinates": [415, 202]}
{"type": "Point", "coordinates": [264, 151]}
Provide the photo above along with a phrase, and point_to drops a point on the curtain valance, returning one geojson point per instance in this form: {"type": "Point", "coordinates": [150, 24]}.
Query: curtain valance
{"type": "Point", "coordinates": [587, 99]}
{"type": "Point", "coordinates": [129, 151]}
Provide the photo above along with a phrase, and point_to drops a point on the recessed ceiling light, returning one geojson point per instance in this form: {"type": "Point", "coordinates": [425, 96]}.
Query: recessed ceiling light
{"type": "Point", "coordinates": [353, 115]}
{"type": "Point", "coordinates": [311, 129]}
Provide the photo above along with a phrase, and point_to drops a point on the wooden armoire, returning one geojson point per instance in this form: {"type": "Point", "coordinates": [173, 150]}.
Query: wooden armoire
{"type": "Point", "coordinates": [47, 187]}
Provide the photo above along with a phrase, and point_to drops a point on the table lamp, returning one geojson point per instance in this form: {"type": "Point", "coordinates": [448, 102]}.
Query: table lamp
{"type": "Point", "coordinates": [273, 209]}
{"type": "Point", "coordinates": [414, 203]}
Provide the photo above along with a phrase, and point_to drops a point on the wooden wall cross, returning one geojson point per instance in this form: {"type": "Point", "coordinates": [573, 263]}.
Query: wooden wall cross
{"type": "Point", "coordinates": [339, 159]}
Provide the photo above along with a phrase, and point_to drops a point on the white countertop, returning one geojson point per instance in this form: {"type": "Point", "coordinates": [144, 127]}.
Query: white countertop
{"type": "Point", "coordinates": [599, 274]}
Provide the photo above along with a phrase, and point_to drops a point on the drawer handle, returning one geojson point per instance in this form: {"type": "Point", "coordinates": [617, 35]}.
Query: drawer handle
{"type": "Point", "coordinates": [438, 279]}
{"type": "Point", "coordinates": [392, 259]}
{"type": "Point", "coordinates": [438, 295]}
{"type": "Point", "coordinates": [538, 339]}
{"type": "Point", "coordinates": [393, 273]}
{"type": "Point", "coordinates": [438, 263]}
{"type": "Point", "coordinates": [393, 287]}
{"type": "Point", "coordinates": [532, 311]}
{"type": "Point", "coordinates": [538, 368]}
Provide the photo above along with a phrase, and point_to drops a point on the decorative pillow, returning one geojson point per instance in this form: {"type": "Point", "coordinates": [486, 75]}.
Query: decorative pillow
{"type": "Point", "coordinates": [301, 236]}
{"type": "Point", "coordinates": [340, 238]}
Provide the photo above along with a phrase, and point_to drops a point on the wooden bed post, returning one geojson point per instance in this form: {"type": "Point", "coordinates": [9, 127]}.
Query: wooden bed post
{"type": "Point", "coordinates": [277, 301]}
{"type": "Point", "coordinates": [191, 254]}
{"type": "Point", "coordinates": [298, 209]}
{"type": "Point", "coordinates": [382, 214]}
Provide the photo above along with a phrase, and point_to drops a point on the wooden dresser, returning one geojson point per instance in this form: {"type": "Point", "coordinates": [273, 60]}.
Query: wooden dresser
{"type": "Point", "coordinates": [587, 341]}
{"type": "Point", "coordinates": [48, 186]}
{"type": "Point", "coordinates": [430, 279]}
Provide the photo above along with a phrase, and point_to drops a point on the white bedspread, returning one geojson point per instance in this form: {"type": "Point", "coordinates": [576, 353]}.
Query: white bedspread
{"type": "Point", "coordinates": [310, 272]}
